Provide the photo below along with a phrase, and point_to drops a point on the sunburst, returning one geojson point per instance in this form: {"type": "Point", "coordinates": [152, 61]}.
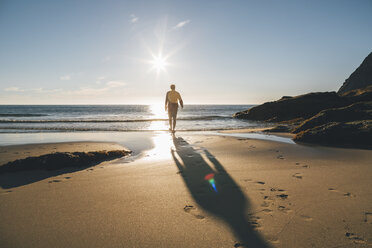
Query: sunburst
{"type": "Point", "coordinates": [159, 63]}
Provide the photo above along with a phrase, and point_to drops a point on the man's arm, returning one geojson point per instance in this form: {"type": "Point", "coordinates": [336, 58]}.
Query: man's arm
{"type": "Point", "coordinates": [166, 101]}
{"type": "Point", "coordinates": [181, 102]}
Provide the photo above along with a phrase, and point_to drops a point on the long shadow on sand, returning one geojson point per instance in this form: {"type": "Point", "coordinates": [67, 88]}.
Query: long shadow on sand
{"type": "Point", "coordinates": [228, 202]}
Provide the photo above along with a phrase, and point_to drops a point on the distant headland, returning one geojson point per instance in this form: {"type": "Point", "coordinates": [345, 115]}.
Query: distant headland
{"type": "Point", "coordinates": [328, 118]}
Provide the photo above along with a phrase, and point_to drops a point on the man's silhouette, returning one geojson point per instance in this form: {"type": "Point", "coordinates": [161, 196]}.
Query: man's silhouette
{"type": "Point", "coordinates": [171, 103]}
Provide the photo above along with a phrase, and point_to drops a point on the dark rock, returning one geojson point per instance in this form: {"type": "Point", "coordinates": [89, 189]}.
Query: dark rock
{"type": "Point", "coordinates": [356, 134]}
{"type": "Point", "coordinates": [61, 160]}
{"type": "Point", "coordinates": [360, 78]}
{"type": "Point", "coordinates": [294, 108]}
{"type": "Point", "coordinates": [353, 112]}
{"type": "Point", "coordinates": [358, 95]}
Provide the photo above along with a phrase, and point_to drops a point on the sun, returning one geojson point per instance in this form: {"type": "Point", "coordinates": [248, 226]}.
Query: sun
{"type": "Point", "coordinates": [159, 63]}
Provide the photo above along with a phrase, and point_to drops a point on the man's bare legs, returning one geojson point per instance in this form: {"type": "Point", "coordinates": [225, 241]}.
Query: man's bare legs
{"type": "Point", "coordinates": [174, 124]}
{"type": "Point", "coordinates": [172, 120]}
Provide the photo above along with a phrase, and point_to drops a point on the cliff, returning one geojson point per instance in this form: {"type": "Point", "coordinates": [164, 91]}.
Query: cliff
{"type": "Point", "coordinates": [360, 78]}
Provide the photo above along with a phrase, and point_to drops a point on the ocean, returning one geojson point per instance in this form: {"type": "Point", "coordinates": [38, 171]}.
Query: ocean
{"type": "Point", "coordinates": [112, 118]}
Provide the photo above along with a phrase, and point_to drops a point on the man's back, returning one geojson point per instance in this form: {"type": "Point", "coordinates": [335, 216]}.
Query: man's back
{"type": "Point", "coordinates": [173, 96]}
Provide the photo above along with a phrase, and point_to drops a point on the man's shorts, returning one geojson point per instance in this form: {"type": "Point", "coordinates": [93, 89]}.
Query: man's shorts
{"type": "Point", "coordinates": [172, 110]}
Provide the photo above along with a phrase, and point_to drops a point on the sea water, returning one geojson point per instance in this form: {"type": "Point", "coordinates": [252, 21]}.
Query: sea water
{"type": "Point", "coordinates": [118, 118]}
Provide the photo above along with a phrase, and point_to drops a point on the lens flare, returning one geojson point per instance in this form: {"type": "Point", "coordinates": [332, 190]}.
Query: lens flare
{"type": "Point", "coordinates": [210, 179]}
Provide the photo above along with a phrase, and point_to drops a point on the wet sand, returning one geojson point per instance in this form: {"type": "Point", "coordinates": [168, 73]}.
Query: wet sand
{"type": "Point", "coordinates": [268, 194]}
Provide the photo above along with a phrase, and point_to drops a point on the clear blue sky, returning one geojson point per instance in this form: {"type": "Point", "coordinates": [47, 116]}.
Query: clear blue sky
{"type": "Point", "coordinates": [87, 52]}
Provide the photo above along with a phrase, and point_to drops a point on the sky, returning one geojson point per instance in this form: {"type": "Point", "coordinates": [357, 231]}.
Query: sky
{"type": "Point", "coordinates": [215, 52]}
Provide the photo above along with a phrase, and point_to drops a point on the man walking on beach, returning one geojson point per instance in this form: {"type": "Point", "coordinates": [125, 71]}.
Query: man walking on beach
{"type": "Point", "coordinates": [171, 103]}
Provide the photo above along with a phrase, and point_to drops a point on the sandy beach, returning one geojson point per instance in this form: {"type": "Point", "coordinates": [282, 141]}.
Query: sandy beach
{"type": "Point", "coordinates": [267, 194]}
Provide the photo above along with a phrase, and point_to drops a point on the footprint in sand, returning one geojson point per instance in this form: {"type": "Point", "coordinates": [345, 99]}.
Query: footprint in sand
{"type": "Point", "coordinates": [89, 169]}
{"type": "Point", "coordinates": [368, 217]}
{"type": "Point", "coordinates": [59, 180]}
{"type": "Point", "coordinates": [297, 175]}
{"type": "Point", "coordinates": [198, 216]}
{"type": "Point", "coordinates": [306, 166]}
{"type": "Point", "coordinates": [190, 209]}
{"type": "Point", "coordinates": [348, 194]}
{"type": "Point", "coordinates": [260, 182]}
{"type": "Point", "coordinates": [267, 210]}
{"type": "Point", "coordinates": [354, 238]}
{"type": "Point", "coordinates": [306, 218]}
{"type": "Point", "coordinates": [297, 163]}
{"type": "Point", "coordinates": [273, 240]}
{"type": "Point", "coordinates": [284, 209]}
{"type": "Point", "coordinates": [275, 189]}
{"type": "Point", "coordinates": [282, 196]}
{"type": "Point", "coordinates": [254, 221]}
{"type": "Point", "coordinates": [55, 181]}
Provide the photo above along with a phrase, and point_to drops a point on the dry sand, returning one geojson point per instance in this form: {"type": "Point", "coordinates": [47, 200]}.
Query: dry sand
{"type": "Point", "coordinates": [269, 194]}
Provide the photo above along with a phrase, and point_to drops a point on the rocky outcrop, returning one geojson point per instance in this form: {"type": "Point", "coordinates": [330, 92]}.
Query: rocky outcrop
{"type": "Point", "coordinates": [353, 112]}
{"type": "Point", "coordinates": [345, 134]}
{"type": "Point", "coordinates": [360, 78]}
{"type": "Point", "coordinates": [346, 126]}
{"type": "Point", "coordinates": [342, 119]}
{"type": "Point", "coordinates": [61, 160]}
{"type": "Point", "coordinates": [292, 108]}
{"type": "Point", "coordinates": [358, 95]}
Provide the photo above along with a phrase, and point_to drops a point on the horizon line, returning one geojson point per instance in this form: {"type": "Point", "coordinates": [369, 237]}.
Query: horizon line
{"type": "Point", "coordinates": [46, 104]}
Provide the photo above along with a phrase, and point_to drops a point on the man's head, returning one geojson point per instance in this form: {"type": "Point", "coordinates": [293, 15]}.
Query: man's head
{"type": "Point", "coordinates": [173, 87]}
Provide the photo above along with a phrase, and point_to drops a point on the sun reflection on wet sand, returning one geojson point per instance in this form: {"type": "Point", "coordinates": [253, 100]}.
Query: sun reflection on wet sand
{"type": "Point", "coordinates": [163, 144]}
